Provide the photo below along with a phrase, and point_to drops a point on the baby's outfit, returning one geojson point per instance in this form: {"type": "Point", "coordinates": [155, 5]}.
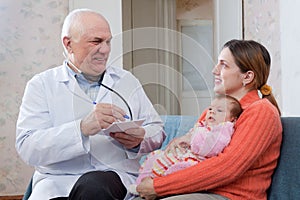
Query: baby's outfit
{"type": "Point", "coordinates": [205, 142]}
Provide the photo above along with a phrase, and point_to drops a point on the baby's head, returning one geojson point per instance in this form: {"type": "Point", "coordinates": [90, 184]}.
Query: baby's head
{"type": "Point", "coordinates": [223, 108]}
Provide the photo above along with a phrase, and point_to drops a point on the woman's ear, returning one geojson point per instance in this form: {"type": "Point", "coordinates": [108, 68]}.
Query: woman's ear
{"type": "Point", "coordinates": [248, 77]}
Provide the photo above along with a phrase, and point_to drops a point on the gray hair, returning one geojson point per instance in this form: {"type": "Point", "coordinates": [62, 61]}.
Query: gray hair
{"type": "Point", "coordinates": [73, 22]}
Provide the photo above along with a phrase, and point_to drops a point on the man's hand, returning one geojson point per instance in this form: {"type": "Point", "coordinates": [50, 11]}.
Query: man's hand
{"type": "Point", "coordinates": [101, 117]}
{"type": "Point", "coordinates": [130, 138]}
{"type": "Point", "coordinates": [146, 189]}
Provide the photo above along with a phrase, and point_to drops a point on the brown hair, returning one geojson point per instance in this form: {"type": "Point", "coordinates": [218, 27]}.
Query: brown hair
{"type": "Point", "coordinates": [235, 106]}
{"type": "Point", "coordinates": [250, 55]}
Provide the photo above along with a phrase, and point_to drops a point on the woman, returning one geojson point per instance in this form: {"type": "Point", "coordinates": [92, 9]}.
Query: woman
{"type": "Point", "coordinates": [244, 169]}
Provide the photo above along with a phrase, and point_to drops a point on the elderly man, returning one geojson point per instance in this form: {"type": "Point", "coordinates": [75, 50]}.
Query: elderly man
{"type": "Point", "coordinates": [65, 110]}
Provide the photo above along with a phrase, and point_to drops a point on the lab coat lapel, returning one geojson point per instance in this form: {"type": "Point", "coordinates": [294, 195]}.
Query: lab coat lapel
{"type": "Point", "coordinates": [75, 89]}
{"type": "Point", "coordinates": [71, 83]}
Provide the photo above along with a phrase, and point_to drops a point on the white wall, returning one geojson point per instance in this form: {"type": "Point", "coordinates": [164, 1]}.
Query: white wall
{"type": "Point", "coordinates": [290, 55]}
{"type": "Point", "coordinates": [228, 22]}
{"type": "Point", "coordinates": [112, 11]}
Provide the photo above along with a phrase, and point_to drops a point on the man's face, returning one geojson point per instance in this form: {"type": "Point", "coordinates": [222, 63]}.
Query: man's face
{"type": "Point", "coordinates": [91, 48]}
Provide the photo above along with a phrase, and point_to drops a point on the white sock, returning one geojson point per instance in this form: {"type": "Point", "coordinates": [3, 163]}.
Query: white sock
{"type": "Point", "coordinates": [132, 189]}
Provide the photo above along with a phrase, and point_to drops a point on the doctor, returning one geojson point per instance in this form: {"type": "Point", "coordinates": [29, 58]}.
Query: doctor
{"type": "Point", "coordinates": [65, 109]}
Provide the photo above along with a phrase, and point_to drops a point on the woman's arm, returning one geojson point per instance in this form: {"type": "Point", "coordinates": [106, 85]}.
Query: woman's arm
{"type": "Point", "coordinates": [248, 140]}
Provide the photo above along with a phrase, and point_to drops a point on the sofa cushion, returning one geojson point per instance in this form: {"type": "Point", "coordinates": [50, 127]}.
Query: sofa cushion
{"type": "Point", "coordinates": [177, 125]}
{"type": "Point", "coordinates": [286, 179]}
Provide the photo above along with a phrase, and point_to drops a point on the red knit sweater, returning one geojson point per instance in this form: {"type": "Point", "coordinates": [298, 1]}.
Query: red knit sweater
{"type": "Point", "coordinates": [244, 169]}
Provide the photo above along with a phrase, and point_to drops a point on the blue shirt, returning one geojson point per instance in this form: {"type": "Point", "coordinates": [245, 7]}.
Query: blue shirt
{"type": "Point", "coordinates": [91, 89]}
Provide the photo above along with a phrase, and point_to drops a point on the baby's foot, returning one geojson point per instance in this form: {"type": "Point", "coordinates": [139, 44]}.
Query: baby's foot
{"type": "Point", "coordinates": [132, 189]}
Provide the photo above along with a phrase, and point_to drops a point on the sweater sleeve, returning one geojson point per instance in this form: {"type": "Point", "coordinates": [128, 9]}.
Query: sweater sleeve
{"type": "Point", "coordinates": [255, 130]}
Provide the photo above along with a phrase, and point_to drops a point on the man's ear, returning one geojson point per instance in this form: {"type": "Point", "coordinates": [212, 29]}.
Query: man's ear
{"type": "Point", "coordinates": [248, 77]}
{"type": "Point", "coordinates": [67, 43]}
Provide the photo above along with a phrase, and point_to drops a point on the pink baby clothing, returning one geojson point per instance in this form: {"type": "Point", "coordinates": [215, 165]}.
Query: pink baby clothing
{"type": "Point", "coordinates": [205, 142]}
{"type": "Point", "coordinates": [210, 141]}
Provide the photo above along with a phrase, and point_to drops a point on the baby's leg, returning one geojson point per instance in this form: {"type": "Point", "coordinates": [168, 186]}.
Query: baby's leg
{"type": "Point", "coordinates": [146, 168]}
{"type": "Point", "coordinates": [186, 160]}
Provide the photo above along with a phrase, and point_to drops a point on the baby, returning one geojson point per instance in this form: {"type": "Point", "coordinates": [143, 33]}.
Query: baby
{"type": "Point", "coordinates": [206, 139]}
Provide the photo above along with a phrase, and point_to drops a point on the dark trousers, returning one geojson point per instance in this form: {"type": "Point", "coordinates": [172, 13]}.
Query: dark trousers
{"type": "Point", "coordinates": [97, 185]}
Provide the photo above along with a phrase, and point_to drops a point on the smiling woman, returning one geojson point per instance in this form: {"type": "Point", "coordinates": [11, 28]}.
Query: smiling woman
{"type": "Point", "coordinates": [242, 70]}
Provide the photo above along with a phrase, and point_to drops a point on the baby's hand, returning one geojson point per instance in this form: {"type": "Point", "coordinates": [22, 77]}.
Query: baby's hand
{"type": "Point", "coordinates": [185, 145]}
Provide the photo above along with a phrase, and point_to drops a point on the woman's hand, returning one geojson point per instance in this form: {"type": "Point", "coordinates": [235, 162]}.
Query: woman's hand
{"type": "Point", "coordinates": [146, 189]}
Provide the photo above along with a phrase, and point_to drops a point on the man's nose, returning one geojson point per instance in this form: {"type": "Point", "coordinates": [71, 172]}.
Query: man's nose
{"type": "Point", "coordinates": [104, 47]}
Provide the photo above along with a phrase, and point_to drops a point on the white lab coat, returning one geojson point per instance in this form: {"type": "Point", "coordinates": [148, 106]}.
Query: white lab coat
{"type": "Point", "coordinates": [48, 133]}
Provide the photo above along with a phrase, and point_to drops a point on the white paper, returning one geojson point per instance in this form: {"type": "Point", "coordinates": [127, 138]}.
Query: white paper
{"type": "Point", "coordinates": [122, 126]}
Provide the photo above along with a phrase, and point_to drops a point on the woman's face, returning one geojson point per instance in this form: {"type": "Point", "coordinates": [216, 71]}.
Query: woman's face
{"type": "Point", "coordinates": [228, 77]}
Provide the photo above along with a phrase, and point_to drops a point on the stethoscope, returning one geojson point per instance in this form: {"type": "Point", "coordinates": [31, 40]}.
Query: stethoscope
{"type": "Point", "coordinates": [108, 88]}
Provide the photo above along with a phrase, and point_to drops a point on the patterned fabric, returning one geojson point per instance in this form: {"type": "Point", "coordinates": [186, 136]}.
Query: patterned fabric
{"type": "Point", "coordinates": [206, 142]}
{"type": "Point", "coordinates": [210, 141]}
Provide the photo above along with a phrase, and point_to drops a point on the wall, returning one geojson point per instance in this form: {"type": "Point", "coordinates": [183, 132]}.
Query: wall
{"type": "Point", "coordinates": [290, 48]}
{"type": "Point", "coordinates": [262, 23]}
{"type": "Point", "coordinates": [29, 39]}
{"type": "Point", "coordinates": [273, 23]}
{"type": "Point", "coordinates": [197, 9]}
